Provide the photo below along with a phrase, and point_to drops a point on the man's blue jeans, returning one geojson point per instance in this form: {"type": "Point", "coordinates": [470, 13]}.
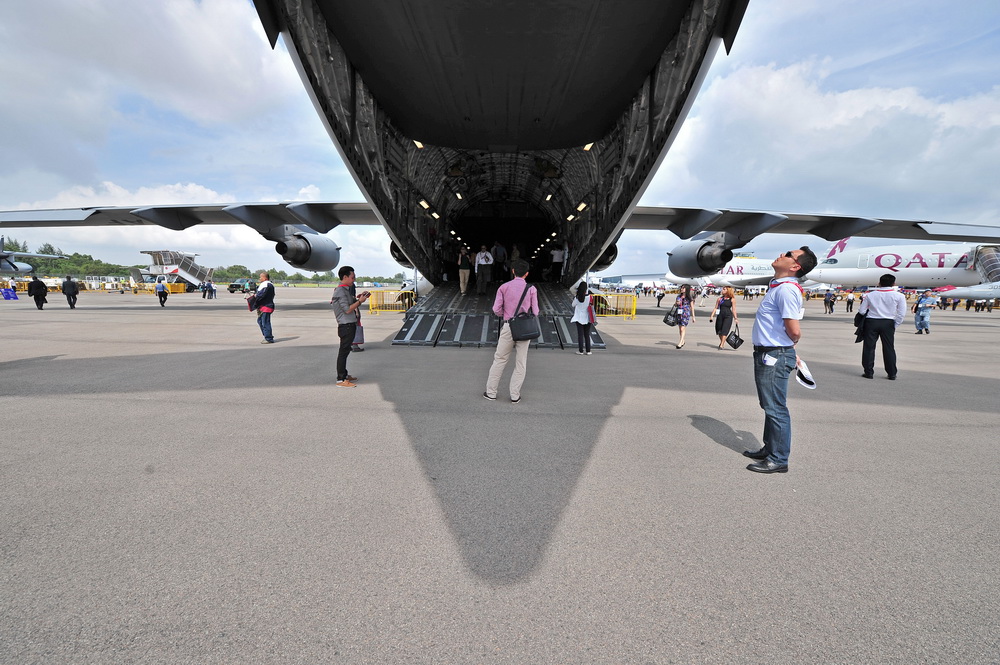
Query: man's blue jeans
{"type": "Point", "coordinates": [772, 391]}
{"type": "Point", "coordinates": [923, 320]}
{"type": "Point", "coordinates": [264, 321]}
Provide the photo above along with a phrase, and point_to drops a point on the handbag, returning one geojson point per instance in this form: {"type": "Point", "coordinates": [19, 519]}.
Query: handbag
{"type": "Point", "coordinates": [590, 312]}
{"type": "Point", "coordinates": [524, 326]}
{"type": "Point", "coordinates": [670, 318]}
{"type": "Point", "coordinates": [733, 339]}
{"type": "Point", "coordinates": [252, 302]}
{"type": "Point", "coordinates": [359, 334]}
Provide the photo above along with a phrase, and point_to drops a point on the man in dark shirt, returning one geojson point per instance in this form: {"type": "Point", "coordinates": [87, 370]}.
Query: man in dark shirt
{"type": "Point", "coordinates": [37, 290]}
{"type": "Point", "coordinates": [70, 290]}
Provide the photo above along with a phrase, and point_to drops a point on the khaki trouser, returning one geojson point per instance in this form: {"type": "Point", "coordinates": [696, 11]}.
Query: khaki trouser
{"type": "Point", "coordinates": [506, 344]}
{"type": "Point", "coordinates": [463, 279]}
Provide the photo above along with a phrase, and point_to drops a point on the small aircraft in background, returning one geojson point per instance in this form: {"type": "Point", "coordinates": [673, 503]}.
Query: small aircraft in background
{"type": "Point", "coordinates": [987, 291]}
{"type": "Point", "coordinates": [8, 266]}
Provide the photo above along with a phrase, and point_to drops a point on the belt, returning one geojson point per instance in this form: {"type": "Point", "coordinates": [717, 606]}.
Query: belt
{"type": "Point", "coordinates": [765, 349]}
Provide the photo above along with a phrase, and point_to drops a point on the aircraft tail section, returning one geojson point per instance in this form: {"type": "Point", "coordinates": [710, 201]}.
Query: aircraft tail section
{"type": "Point", "coordinates": [837, 248]}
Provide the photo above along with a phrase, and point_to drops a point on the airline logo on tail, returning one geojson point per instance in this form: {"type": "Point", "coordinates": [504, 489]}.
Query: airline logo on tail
{"type": "Point", "coordinates": [837, 247]}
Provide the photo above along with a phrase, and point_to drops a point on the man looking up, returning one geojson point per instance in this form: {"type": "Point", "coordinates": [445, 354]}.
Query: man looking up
{"type": "Point", "coordinates": [775, 333]}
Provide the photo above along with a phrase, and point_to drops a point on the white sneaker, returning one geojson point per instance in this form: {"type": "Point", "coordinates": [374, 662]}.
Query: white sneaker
{"type": "Point", "coordinates": [579, 353]}
{"type": "Point", "coordinates": [589, 353]}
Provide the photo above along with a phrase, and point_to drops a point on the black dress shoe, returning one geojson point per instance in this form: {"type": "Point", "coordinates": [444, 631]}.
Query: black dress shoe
{"type": "Point", "coordinates": [755, 454]}
{"type": "Point", "coordinates": [892, 378]}
{"type": "Point", "coordinates": [868, 376]}
{"type": "Point", "coordinates": [767, 466]}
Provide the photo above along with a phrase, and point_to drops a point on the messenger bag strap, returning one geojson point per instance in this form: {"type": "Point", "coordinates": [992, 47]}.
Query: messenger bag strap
{"type": "Point", "coordinates": [521, 300]}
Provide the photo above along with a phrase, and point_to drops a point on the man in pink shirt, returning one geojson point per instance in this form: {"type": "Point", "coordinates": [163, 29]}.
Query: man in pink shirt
{"type": "Point", "coordinates": [505, 306]}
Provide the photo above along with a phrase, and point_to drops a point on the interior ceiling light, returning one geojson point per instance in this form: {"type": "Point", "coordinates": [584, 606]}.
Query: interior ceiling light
{"type": "Point", "coordinates": [435, 215]}
{"type": "Point", "coordinates": [553, 234]}
{"type": "Point", "coordinates": [587, 147]}
{"type": "Point", "coordinates": [548, 240]}
{"type": "Point", "coordinates": [571, 218]}
{"type": "Point", "coordinates": [453, 233]}
{"type": "Point", "coordinates": [459, 195]}
{"type": "Point", "coordinates": [548, 198]}
{"type": "Point", "coordinates": [424, 204]}
{"type": "Point", "coordinates": [420, 146]}
{"type": "Point", "coordinates": [580, 207]}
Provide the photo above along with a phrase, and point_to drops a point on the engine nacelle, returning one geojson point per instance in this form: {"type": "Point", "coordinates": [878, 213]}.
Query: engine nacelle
{"type": "Point", "coordinates": [15, 267]}
{"type": "Point", "coordinates": [309, 252]}
{"type": "Point", "coordinates": [605, 260]}
{"type": "Point", "coordinates": [699, 258]}
{"type": "Point", "coordinates": [398, 256]}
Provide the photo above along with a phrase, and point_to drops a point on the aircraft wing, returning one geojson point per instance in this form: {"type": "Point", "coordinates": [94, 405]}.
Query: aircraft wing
{"type": "Point", "coordinates": [262, 217]}
{"type": "Point", "coordinates": [683, 222]}
{"type": "Point", "coordinates": [5, 256]}
{"type": "Point", "coordinates": [744, 225]}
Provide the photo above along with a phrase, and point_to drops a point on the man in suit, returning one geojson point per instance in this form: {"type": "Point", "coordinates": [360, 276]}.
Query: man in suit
{"type": "Point", "coordinates": [70, 290]}
{"type": "Point", "coordinates": [37, 290]}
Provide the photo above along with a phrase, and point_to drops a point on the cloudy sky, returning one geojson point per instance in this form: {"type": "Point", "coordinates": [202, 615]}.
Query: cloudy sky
{"type": "Point", "coordinates": [882, 109]}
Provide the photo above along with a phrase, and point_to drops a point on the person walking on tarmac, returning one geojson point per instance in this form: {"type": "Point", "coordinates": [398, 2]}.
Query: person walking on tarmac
{"type": "Point", "coordinates": [70, 289]}
{"type": "Point", "coordinates": [922, 312]}
{"type": "Point", "coordinates": [37, 290]}
{"type": "Point", "coordinates": [161, 291]}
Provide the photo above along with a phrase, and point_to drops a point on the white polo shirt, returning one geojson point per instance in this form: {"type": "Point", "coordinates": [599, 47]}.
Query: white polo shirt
{"type": "Point", "coordinates": [783, 301]}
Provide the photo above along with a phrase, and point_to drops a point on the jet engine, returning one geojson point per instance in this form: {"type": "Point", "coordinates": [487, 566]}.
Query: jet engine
{"type": "Point", "coordinates": [605, 260]}
{"type": "Point", "coordinates": [9, 266]}
{"type": "Point", "coordinates": [309, 252]}
{"type": "Point", "coordinates": [398, 256]}
{"type": "Point", "coordinates": [697, 258]}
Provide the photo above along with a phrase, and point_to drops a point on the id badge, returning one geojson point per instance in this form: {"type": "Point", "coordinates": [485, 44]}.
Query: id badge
{"type": "Point", "coordinates": [768, 360]}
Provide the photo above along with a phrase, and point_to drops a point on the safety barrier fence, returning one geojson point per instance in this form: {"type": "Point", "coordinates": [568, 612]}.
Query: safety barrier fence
{"type": "Point", "coordinates": [390, 301]}
{"type": "Point", "coordinates": [178, 287]}
{"type": "Point", "coordinates": [615, 305]}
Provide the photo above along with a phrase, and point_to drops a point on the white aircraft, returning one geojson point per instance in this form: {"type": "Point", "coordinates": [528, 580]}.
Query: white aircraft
{"type": "Point", "coordinates": [915, 266]}
{"type": "Point", "coordinates": [631, 281]}
{"type": "Point", "coordinates": [986, 291]}
{"type": "Point", "coordinates": [741, 271]}
{"type": "Point", "coordinates": [8, 266]}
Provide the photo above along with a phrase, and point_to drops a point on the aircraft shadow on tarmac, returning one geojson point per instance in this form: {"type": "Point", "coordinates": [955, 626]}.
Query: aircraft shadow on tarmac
{"type": "Point", "coordinates": [502, 473]}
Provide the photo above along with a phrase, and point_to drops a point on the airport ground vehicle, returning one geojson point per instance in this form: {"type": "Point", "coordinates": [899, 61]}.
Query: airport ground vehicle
{"type": "Point", "coordinates": [243, 285]}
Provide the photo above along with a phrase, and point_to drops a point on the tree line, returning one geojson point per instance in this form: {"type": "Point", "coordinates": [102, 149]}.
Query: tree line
{"type": "Point", "coordinates": [80, 265]}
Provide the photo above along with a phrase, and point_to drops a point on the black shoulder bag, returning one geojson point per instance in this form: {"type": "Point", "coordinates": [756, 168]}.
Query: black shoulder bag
{"type": "Point", "coordinates": [524, 326]}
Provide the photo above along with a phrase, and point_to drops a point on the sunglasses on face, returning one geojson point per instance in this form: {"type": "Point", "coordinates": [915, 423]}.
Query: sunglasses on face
{"type": "Point", "coordinates": [789, 255]}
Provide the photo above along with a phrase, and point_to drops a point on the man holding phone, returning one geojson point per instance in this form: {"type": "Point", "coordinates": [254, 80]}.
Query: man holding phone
{"type": "Point", "coordinates": [345, 308]}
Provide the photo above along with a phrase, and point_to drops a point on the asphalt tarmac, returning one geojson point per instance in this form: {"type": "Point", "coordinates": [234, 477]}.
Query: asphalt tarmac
{"type": "Point", "coordinates": [173, 491]}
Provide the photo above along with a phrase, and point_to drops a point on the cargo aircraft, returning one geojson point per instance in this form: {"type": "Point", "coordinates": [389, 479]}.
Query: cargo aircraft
{"type": "Point", "coordinates": [534, 122]}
